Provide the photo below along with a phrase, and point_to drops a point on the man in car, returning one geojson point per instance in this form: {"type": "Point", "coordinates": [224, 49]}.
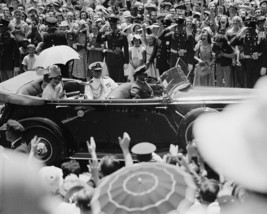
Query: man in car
{"type": "Point", "coordinates": [141, 89]}
{"type": "Point", "coordinates": [99, 86]}
{"type": "Point", "coordinates": [14, 131]}
{"type": "Point", "coordinates": [136, 90]}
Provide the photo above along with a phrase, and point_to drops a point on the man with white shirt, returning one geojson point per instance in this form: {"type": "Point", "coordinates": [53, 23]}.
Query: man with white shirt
{"type": "Point", "coordinates": [99, 86]}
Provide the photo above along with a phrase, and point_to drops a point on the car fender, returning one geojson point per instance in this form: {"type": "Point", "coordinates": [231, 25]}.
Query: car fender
{"type": "Point", "coordinates": [190, 118]}
{"type": "Point", "coordinates": [28, 122]}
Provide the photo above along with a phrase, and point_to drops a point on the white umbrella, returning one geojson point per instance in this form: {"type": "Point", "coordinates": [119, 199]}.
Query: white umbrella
{"type": "Point", "coordinates": [56, 55]}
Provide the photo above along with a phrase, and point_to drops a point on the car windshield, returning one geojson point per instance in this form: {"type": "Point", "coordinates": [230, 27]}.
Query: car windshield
{"type": "Point", "coordinates": [175, 78]}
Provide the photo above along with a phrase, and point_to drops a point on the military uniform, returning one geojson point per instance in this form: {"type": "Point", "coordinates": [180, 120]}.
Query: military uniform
{"type": "Point", "coordinates": [9, 53]}
{"type": "Point", "coordinates": [117, 54]}
{"type": "Point", "coordinates": [251, 66]}
{"type": "Point", "coordinates": [141, 90]}
{"type": "Point", "coordinates": [99, 88]}
{"type": "Point", "coordinates": [163, 56]}
{"type": "Point", "coordinates": [179, 41]}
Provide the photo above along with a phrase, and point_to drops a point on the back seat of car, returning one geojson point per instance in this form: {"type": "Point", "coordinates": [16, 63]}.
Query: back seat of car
{"type": "Point", "coordinates": [34, 88]}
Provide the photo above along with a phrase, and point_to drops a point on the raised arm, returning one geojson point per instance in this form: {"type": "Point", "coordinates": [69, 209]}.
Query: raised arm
{"type": "Point", "coordinates": [124, 144]}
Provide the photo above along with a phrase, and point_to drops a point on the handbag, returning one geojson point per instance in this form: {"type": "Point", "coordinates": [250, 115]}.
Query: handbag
{"type": "Point", "coordinates": [205, 69]}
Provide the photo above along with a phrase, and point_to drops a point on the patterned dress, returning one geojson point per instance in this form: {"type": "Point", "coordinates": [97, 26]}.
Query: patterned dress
{"type": "Point", "coordinates": [80, 65]}
{"type": "Point", "coordinates": [204, 52]}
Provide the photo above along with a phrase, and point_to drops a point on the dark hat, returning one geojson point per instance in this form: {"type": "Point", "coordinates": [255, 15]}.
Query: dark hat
{"type": "Point", "coordinates": [13, 125]}
{"type": "Point", "coordinates": [140, 69]}
{"type": "Point", "coordinates": [51, 20]}
{"type": "Point", "coordinates": [143, 148]}
{"type": "Point", "coordinates": [4, 23]}
{"type": "Point", "coordinates": [179, 19]}
{"type": "Point", "coordinates": [196, 15]}
{"type": "Point", "coordinates": [167, 21]}
{"type": "Point", "coordinates": [113, 18]}
{"type": "Point", "coordinates": [96, 66]}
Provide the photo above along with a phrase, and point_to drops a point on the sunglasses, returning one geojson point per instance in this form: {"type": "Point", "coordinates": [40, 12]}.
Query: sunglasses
{"type": "Point", "coordinates": [57, 78]}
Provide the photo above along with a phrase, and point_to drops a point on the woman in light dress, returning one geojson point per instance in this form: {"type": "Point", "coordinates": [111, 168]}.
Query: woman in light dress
{"type": "Point", "coordinates": [137, 56]}
{"type": "Point", "coordinates": [203, 54]}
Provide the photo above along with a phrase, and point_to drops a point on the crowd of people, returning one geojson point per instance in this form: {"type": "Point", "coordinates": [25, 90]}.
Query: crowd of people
{"type": "Point", "coordinates": [222, 42]}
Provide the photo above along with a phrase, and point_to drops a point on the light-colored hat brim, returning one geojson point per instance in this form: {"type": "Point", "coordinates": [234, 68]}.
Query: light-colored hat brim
{"type": "Point", "coordinates": [234, 141]}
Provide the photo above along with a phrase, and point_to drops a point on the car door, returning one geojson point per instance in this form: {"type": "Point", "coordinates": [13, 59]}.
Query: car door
{"type": "Point", "coordinates": [147, 120]}
{"type": "Point", "coordinates": [84, 119]}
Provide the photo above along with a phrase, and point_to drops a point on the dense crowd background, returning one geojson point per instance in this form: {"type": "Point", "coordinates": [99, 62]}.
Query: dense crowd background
{"type": "Point", "coordinates": [221, 42]}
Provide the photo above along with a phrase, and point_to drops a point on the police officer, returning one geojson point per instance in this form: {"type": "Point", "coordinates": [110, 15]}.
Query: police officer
{"type": "Point", "coordinates": [253, 46]}
{"type": "Point", "coordinates": [117, 55]}
{"type": "Point", "coordinates": [9, 53]}
{"type": "Point", "coordinates": [163, 51]}
{"type": "Point", "coordinates": [180, 42]}
{"type": "Point", "coordinates": [53, 36]}
{"type": "Point", "coordinates": [99, 86]}
{"type": "Point", "coordinates": [143, 151]}
{"type": "Point", "coordinates": [141, 89]}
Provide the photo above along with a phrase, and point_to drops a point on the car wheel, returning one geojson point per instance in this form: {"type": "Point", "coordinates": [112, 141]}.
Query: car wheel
{"type": "Point", "coordinates": [49, 149]}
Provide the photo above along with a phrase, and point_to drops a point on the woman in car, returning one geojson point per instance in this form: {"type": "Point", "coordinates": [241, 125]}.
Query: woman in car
{"type": "Point", "coordinates": [54, 89]}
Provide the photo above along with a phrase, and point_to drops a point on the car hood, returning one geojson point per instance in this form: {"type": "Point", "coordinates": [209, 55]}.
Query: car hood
{"type": "Point", "coordinates": [212, 94]}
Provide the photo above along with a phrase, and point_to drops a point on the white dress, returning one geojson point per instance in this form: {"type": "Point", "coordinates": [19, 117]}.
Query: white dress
{"type": "Point", "coordinates": [137, 57]}
{"type": "Point", "coordinates": [151, 71]}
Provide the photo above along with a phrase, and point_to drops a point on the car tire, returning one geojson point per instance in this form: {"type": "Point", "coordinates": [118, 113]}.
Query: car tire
{"type": "Point", "coordinates": [186, 129]}
{"type": "Point", "coordinates": [50, 144]}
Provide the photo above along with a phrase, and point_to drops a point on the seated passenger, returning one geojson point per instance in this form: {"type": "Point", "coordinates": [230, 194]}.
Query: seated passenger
{"type": "Point", "coordinates": [54, 89]}
{"type": "Point", "coordinates": [141, 89]}
{"type": "Point", "coordinates": [99, 86]}
{"type": "Point", "coordinates": [138, 89]}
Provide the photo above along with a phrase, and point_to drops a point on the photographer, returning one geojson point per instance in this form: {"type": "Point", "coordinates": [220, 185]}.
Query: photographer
{"type": "Point", "coordinates": [253, 47]}
{"type": "Point", "coordinates": [224, 54]}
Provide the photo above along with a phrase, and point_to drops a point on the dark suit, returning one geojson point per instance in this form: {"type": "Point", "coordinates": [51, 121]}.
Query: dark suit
{"type": "Point", "coordinates": [140, 90]}
{"type": "Point", "coordinates": [123, 91]}
{"type": "Point", "coordinates": [53, 37]}
{"type": "Point", "coordinates": [9, 56]}
{"type": "Point", "coordinates": [117, 54]}
{"type": "Point", "coordinates": [20, 146]}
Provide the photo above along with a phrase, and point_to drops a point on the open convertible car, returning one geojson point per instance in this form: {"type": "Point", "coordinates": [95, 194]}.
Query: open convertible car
{"type": "Point", "coordinates": [65, 125]}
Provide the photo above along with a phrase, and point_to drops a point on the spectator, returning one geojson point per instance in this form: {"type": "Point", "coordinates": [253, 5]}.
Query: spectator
{"type": "Point", "coordinates": [19, 28]}
{"type": "Point", "coordinates": [117, 56]}
{"type": "Point", "coordinates": [80, 65]}
{"type": "Point", "coordinates": [29, 60]}
{"type": "Point", "coordinates": [9, 53]}
{"type": "Point", "coordinates": [204, 55]}
{"type": "Point", "coordinates": [224, 55]}
{"type": "Point", "coordinates": [137, 56]}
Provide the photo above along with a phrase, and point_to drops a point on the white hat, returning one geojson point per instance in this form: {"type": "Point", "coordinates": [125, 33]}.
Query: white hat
{"type": "Point", "coordinates": [235, 141]}
{"type": "Point", "coordinates": [127, 14]}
